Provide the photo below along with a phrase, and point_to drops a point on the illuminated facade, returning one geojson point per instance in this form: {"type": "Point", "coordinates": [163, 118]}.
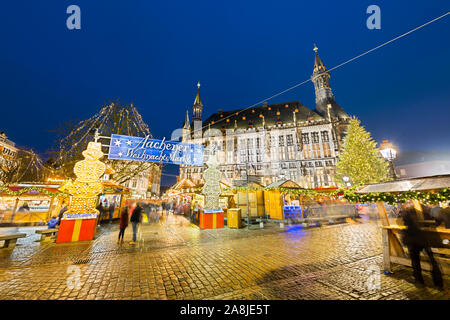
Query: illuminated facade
{"type": "Point", "coordinates": [274, 142]}
{"type": "Point", "coordinates": [146, 183]}
{"type": "Point", "coordinates": [8, 153]}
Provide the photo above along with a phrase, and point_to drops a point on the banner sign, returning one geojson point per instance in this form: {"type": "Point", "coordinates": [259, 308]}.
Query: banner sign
{"type": "Point", "coordinates": [75, 216]}
{"type": "Point", "coordinates": [153, 150]}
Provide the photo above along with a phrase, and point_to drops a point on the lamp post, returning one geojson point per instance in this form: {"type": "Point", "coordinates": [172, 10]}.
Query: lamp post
{"type": "Point", "coordinates": [389, 152]}
{"type": "Point", "coordinates": [347, 181]}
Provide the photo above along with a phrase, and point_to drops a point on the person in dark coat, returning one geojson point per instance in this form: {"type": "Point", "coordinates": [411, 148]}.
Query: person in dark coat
{"type": "Point", "coordinates": [100, 209]}
{"type": "Point", "coordinates": [416, 240]}
{"type": "Point", "coordinates": [123, 223]}
{"type": "Point", "coordinates": [112, 206]}
{"type": "Point", "coordinates": [64, 208]}
{"type": "Point", "coordinates": [52, 223]}
{"type": "Point", "coordinates": [135, 219]}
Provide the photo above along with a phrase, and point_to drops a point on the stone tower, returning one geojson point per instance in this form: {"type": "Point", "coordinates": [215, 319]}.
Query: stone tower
{"type": "Point", "coordinates": [326, 105]}
{"type": "Point", "coordinates": [197, 110]}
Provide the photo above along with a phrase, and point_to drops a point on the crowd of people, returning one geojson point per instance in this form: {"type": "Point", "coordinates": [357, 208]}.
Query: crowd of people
{"type": "Point", "coordinates": [413, 237]}
{"type": "Point", "coordinates": [152, 212]}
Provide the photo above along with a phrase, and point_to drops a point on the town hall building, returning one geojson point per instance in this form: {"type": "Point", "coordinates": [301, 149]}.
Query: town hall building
{"type": "Point", "coordinates": [273, 142]}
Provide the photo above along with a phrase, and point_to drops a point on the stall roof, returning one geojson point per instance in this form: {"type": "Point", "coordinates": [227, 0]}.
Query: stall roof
{"type": "Point", "coordinates": [114, 187]}
{"type": "Point", "coordinates": [6, 191]}
{"type": "Point", "coordinates": [185, 183]}
{"type": "Point", "coordinates": [414, 184]}
{"type": "Point", "coordinates": [283, 184]}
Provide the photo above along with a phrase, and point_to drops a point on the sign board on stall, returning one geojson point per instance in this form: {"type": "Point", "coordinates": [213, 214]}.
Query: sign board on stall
{"type": "Point", "coordinates": [153, 150]}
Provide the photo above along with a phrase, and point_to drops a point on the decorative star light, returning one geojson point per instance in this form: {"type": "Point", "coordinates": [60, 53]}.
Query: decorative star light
{"type": "Point", "coordinates": [129, 142]}
{"type": "Point", "coordinates": [117, 143]}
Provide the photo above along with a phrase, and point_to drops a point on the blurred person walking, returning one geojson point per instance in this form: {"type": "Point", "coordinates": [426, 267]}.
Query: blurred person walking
{"type": "Point", "coordinates": [416, 240]}
{"type": "Point", "coordinates": [123, 223]}
{"type": "Point", "coordinates": [135, 219]}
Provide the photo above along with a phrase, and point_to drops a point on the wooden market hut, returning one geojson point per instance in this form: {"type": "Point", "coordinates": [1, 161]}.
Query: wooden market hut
{"type": "Point", "coordinates": [29, 204]}
{"type": "Point", "coordinates": [119, 192]}
{"type": "Point", "coordinates": [255, 200]}
{"type": "Point", "coordinates": [274, 199]}
{"type": "Point", "coordinates": [393, 249]}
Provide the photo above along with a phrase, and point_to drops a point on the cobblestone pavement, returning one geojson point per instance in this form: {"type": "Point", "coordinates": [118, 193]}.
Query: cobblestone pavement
{"type": "Point", "coordinates": [179, 261]}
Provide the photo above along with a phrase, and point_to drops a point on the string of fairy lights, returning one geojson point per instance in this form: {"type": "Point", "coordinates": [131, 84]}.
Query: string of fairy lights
{"type": "Point", "coordinates": [331, 69]}
{"type": "Point", "coordinates": [128, 116]}
{"type": "Point", "coordinates": [352, 195]}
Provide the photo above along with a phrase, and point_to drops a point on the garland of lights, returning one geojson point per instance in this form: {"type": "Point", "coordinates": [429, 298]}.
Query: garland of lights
{"type": "Point", "coordinates": [28, 189]}
{"type": "Point", "coordinates": [442, 195]}
{"type": "Point", "coordinates": [350, 195]}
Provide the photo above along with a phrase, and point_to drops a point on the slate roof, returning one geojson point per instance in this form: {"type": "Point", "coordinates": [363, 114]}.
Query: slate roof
{"type": "Point", "coordinates": [273, 114]}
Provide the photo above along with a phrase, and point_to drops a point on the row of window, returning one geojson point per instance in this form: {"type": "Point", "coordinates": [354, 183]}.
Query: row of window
{"type": "Point", "coordinates": [284, 165]}
{"type": "Point", "coordinates": [287, 140]}
{"type": "Point", "coordinates": [315, 137]}
{"type": "Point", "coordinates": [9, 152]}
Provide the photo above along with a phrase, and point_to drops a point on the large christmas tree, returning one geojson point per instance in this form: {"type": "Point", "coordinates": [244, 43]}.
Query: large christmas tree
{"type": "Point", "coordinates": [361, 160]}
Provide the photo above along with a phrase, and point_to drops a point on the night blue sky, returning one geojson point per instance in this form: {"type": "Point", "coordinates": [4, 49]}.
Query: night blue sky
{"type": "Point", "coordinates": [153, 53]}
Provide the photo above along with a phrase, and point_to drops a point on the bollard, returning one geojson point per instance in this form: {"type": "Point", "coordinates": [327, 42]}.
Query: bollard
{"type": "Point", "coordinates": [304, 225]}
{"type": "Point", "coordinates": [261, 225]}
{"type": "Point", "coordinates": [281, 225]}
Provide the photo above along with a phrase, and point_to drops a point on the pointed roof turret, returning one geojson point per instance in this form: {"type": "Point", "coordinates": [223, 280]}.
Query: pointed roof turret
{"type": "Point", "coordinates": [318, 64]}
{"type": "Point", "coordinates": [186, 124]}
{"type": "Point", "coordinates": [197, 100]}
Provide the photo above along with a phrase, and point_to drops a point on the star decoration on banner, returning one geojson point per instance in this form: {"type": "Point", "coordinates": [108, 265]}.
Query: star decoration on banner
{"type": "Point", "coordinates": [117, 143]}
{"type": "Point", "coordinates": [129, 142]}
{"type": "Point", "coordinates": [120, 154]}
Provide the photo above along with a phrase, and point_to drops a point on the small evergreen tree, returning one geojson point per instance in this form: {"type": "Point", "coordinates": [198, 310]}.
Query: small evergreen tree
{"type": "Point", "coordinates": [361, 160]}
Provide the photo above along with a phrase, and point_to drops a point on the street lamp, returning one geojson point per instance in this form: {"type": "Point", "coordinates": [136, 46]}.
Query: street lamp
{"type": "Point", "coordinates": [347, 181]}
{"type": "Point", "coordinates": [389, 152]}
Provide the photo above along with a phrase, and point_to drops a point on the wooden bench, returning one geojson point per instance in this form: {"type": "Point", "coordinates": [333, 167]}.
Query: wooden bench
{"type": "Point", "coordinates": [46, 232]}
{"type": "Point", "coordinates": [11, 239]}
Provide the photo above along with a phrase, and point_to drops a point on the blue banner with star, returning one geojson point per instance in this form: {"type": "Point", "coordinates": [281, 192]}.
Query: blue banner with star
{"type": "Point", "coordinates": [153, 150]}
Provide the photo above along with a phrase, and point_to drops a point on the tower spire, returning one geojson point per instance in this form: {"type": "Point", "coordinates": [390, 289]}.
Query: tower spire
{"type": "Point", "coordinates": [324, 95]}
{"type": "Point", "coordinates": [318, 64]}
{"type": "Point", "coordinates": [321, 80]}
{"type": "Point", "coordinates": [197, 100]}
{"type": "Point", "coordinates": [186, 125]}
{"type": "Point", "coordinates": [197, 110]}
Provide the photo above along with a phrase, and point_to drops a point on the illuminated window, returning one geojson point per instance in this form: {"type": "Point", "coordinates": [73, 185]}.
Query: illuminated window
{"type": "Point", "coordinates": [305, 138]}
{"type": "Point", "coordinates": [289, 140]}
{"type": "Point", "coordinates": [315, 137]}
{"type": "Point", "coordinates": [306, 151]}
{"type": "Point", "coordinates": [316, 150]}
{"type": "Point", "coordinates": [326, 150]}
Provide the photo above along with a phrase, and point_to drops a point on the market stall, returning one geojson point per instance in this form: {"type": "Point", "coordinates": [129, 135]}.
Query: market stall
{"type": "Point", "coordinates": [115, 195]}
{"type": "Point", "coordinates": [255, 199]}
{"type": "Point", "coordinates": [425, 190]}
{"type": "Point", "coordinates": [30, 204]}
{"type": "Point", "coordinates": [278, 203]}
